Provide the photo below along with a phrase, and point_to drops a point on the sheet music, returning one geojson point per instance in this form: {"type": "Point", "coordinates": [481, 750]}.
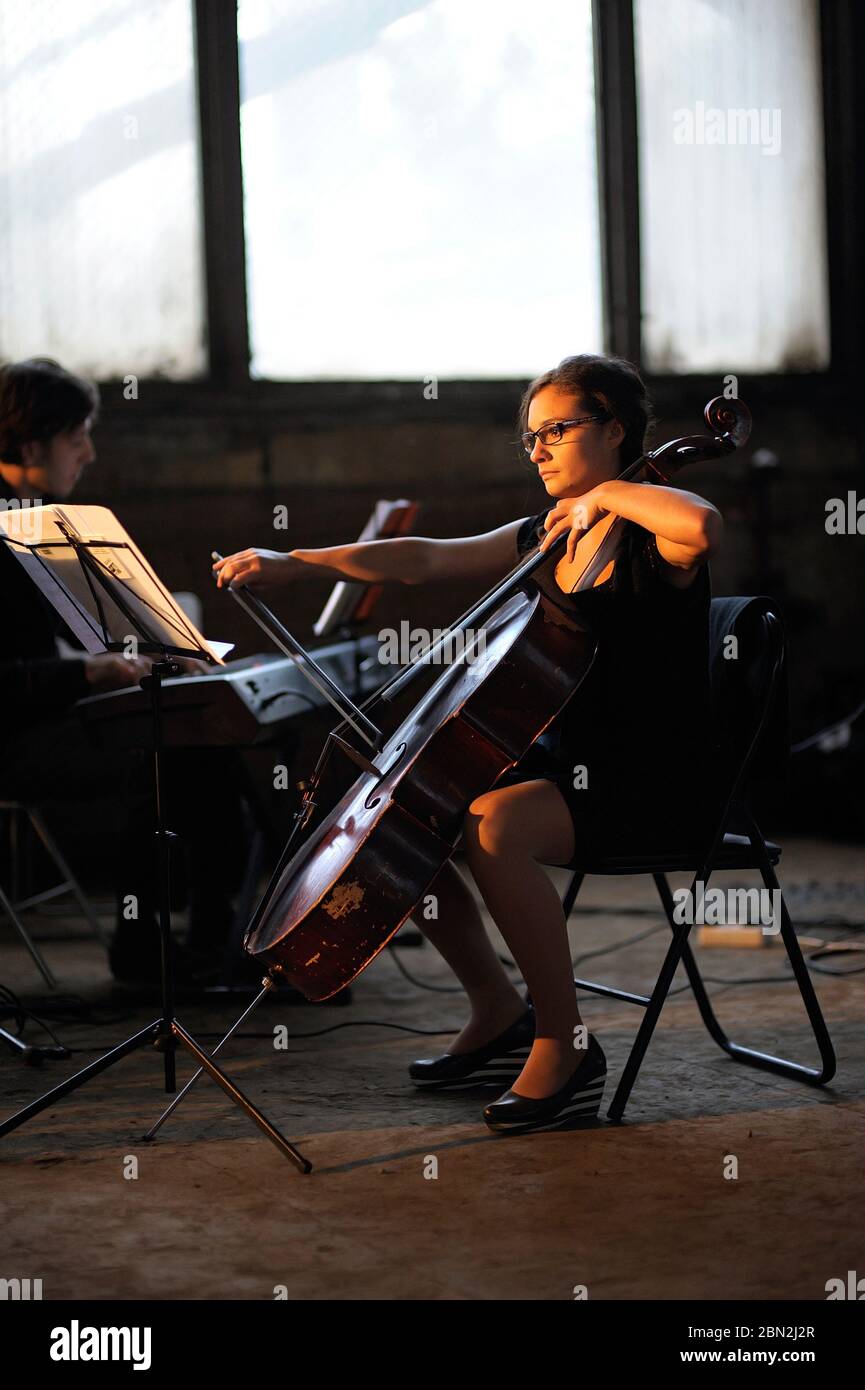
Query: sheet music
{"type": "Point", "coordinates": [122, 596]}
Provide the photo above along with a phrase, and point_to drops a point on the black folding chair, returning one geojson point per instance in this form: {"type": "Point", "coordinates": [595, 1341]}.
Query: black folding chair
{"type": "Point", "coordinates": [20, 815]}
{"type": "Point", "coordinates": [750, 696]}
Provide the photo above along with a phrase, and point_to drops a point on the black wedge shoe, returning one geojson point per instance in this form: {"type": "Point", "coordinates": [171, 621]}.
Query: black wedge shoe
{"type": "Point", "coordinates": [578, 1100]}
{"type": "Point", "coordinates": [500, 1061]}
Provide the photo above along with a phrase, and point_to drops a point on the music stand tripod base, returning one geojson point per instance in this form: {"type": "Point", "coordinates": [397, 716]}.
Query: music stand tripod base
{"type": "Point", "coordinates": [166, 1032]}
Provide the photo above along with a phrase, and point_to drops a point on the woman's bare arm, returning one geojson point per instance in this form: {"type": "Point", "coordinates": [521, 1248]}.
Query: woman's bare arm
{"type": "Point", "coordinates": [401, 559]}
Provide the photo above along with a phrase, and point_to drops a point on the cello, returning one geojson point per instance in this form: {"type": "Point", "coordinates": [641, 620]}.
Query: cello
{"type": "Point", "coordinates": [334, 904]}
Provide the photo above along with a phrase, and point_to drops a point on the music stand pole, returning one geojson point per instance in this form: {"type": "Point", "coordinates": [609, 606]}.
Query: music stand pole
{"type": "Point", "coordinates": [166, 1043]}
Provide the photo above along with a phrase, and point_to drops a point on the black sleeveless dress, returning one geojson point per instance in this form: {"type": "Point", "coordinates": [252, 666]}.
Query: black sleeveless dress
{"type": "Point", "coordinates": [634, 752]}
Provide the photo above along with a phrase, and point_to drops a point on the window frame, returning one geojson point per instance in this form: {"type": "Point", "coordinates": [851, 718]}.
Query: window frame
{"type": "Point", "coordinates": [228, 390]}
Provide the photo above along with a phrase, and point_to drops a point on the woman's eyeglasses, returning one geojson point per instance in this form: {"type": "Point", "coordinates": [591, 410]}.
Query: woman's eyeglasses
{"type": "Point", "coordinates": [554, 432]}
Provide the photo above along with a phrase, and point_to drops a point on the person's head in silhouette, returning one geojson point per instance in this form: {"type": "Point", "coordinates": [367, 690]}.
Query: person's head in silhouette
{"type": "Point", "coordinates": [46, 415]}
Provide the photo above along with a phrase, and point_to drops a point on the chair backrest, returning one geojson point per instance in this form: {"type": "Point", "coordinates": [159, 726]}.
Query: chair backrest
{"type": "Point", "coordinates": [749, 687]}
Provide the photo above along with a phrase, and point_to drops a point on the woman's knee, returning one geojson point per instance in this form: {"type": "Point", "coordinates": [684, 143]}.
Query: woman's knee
{"type": "Point", "coordinates": [531, 820]}
{"type": "Point", "coordinates": [491, 825]}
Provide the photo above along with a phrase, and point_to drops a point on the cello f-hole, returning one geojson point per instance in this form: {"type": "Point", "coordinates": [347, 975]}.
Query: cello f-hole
{"type": "Point", "coordinates": [372, 800]}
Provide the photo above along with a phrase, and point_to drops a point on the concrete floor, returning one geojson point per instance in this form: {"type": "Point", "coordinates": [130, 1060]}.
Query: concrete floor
{"type": "Point", "coordinates": [638, 1210]}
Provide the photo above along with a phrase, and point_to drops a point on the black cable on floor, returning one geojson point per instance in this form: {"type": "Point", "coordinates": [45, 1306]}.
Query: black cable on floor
{"type": "Point", "coordinates": [21, 1014]}
{"type": "Point", "coordinates": [10, 1004]}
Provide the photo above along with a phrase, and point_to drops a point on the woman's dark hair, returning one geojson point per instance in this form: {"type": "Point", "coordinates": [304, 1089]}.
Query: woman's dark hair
{"type": "Point", "coordinates": [607, 384]}
{"type": "Point", "coordinates": [38, 399]}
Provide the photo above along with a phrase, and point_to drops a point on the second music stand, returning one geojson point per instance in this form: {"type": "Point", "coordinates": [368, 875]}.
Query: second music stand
{"type": "Point", "coordinates": [92, 573]}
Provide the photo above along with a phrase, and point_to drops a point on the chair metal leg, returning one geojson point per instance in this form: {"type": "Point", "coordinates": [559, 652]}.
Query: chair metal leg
{"type": "Point", "coordinates": [66, 873]}
{"type": "Point", "coordinates": [814, 1076]}
{"type": "Point", "coordinates": [14, 811]}
{"type": "Point", "coordinates": [22, 931]}
{"type": "Point", "coordinates": [653, 1009]}
{"type": "Point", "coordinates": [571, 892]}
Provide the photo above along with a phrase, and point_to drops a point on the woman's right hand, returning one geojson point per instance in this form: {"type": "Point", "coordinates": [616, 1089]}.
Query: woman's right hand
{"type": "Point", "coordinates": [256, 569]}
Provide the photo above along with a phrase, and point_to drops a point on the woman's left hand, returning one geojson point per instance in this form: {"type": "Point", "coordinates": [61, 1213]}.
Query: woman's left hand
{"type": "Point", "coordinates": [576, 515]}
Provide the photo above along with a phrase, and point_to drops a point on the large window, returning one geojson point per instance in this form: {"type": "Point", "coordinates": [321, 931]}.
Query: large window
{"type": "Point", "coordinates": [731, 185]}
{"type": "Point", "coordinates": [100, 260]}
{"type": "Point", "coordinates": [420, 186]}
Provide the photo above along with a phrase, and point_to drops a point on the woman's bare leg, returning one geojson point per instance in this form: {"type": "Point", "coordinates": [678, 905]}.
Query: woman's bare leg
{"type": "Point", "coordinates": [459, 934]}
{"type": "Point", "coordinates": [506, 833]}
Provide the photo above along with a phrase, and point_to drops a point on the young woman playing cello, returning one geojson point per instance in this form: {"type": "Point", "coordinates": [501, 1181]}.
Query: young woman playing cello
{"type": "Point", "coordinates": [626, 764]}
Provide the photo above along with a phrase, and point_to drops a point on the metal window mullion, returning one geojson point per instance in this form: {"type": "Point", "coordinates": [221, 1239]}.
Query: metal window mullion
{"type": "Point", "coordinates": [618, 173]}
{"type": "Point", "coordinates": [218, 84]}
{"type": "Point", "coordinates": [842, 37]}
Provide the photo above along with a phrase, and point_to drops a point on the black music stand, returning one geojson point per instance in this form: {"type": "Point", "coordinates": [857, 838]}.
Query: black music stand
{"type": "Point", "coordinates": [99, 582]}
{"type": "Point", "coordinates": [350, 604]}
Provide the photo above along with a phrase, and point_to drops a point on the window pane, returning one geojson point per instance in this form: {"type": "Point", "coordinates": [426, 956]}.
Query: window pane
{"type": "Point", "coordinates": [732, 189]}
{"type": "Point", "coordinates": [100, 259]}
{"type": "Point", "coordinates": [420, 186]}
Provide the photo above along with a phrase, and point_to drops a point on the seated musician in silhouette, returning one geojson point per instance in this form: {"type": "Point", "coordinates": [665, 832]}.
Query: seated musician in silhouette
{"type": "Point", "coordinates": [621, 769]}
{"type": "Point", "coordinates": [46, 417]}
